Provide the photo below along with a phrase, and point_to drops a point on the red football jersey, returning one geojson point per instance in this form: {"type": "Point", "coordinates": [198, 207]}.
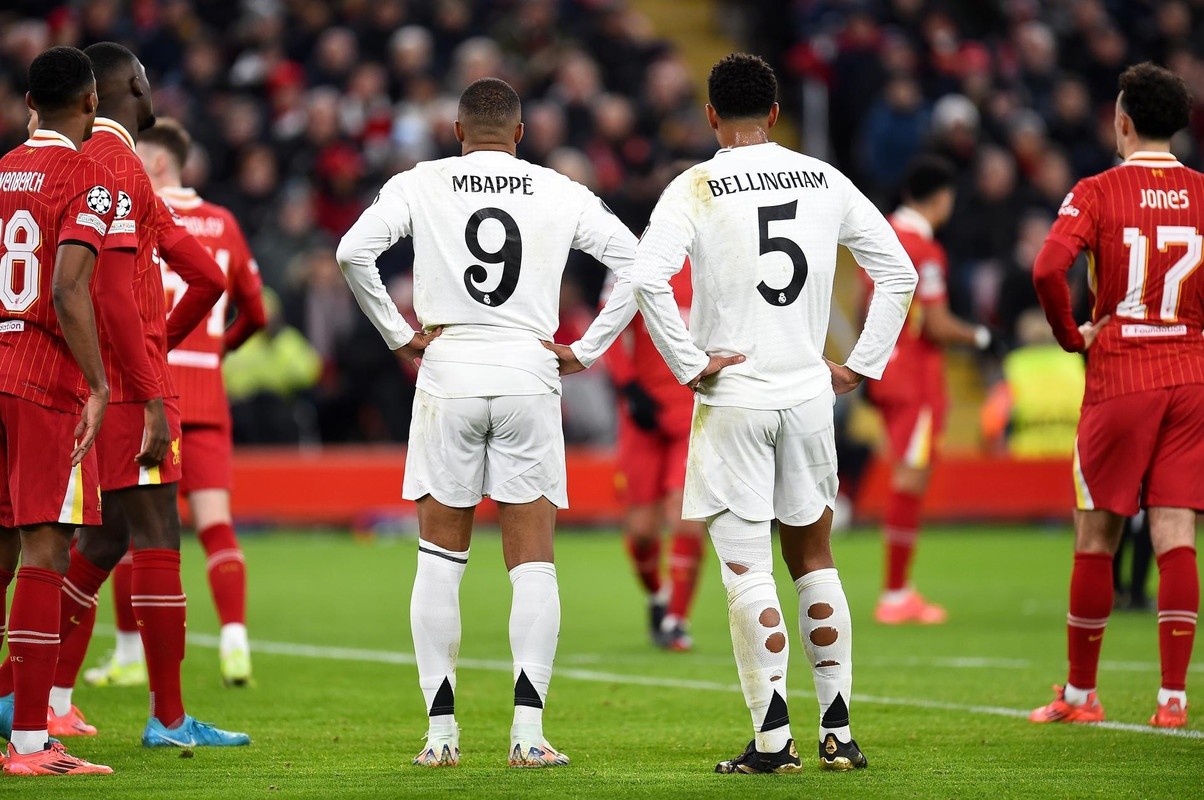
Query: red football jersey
{"type": "Point", "coordinates": [635, 358]}
{"type": "Point", "coordinates": [916, 370]}
{"type": "Point", "coordinates": [1142, 223]}
{"type": "Point", "coordinates": [196, 364]}
{"type": "Point", "coordinates": [50, 195]}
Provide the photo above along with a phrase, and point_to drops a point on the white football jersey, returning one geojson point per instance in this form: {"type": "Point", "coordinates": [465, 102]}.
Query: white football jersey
{"type": "Point", "coordinates": [761, 224]}
{"type": "Point", "coordinates": [492, 234]}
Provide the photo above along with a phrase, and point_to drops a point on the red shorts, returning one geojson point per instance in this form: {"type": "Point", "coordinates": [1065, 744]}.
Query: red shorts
{"type": "Point", "coordinates": [120, 440]}
{"type": "Point", "coordinates": [38, 485]}
{"type": "Point", "coordinates": [912, 430]}
{"type": "Point", "coordinates": [1140, 450]}
{"type": "Point", "coordinates": [650, 465]}
{"type": "Point", "coordinates": [208, 454]}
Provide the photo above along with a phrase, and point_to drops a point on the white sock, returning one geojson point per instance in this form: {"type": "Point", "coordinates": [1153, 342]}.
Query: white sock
{"type": "Point", "coordinates": [60, 700]}
{"type": "Point", "coordinates": [233, 638]}
{"type": "Point", "coordinates": [26, 742]}
{"type": "Point", "coordinates": [827, 632]}
{"type": "Point", "coordinates": [129, 648]}
{"type": "Point", "coordinates": [1167, 695]}
{"type": "Point", "coordinates": [754, 615]}
{"type": "Point", "coordinates": [435, 624]}
{"type": "Point", "coordinates": [896, 596]}
{"type": "Point", "coordinates": [762, 651]}
{"type": "Point", "coordinates": [534, 630]}
{"type": "Point", "coordinates": [1076, 696]}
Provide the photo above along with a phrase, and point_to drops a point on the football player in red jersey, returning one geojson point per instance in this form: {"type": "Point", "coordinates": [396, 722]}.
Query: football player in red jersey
{"type": "Point", "coordinates": [655, 413]}
{"type": "Point", "coordinates": [1140, 438]}
{"type": "Point", "coordinates": [138, 449]}
{"type": "Point", "coordinates": [56, 205]}
{"type": "Point", "coordinates": [207, 446]}
{"type": "Point", "coordinates": [911, 394]}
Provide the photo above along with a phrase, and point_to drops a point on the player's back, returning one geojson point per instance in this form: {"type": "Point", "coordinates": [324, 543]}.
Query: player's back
{"type": "Point", "coordinates": [49, 194]}
{"type": "Point", "coordinates": [1148, 247]}
{"type": "Point", "coordinates": [196, 362]}
{"type": "Point", "coordinates": [492, 234]}
{"type": "Point", "coordinates": [766, 222]}
{"type": "Point", "coordinates": [135, 226]}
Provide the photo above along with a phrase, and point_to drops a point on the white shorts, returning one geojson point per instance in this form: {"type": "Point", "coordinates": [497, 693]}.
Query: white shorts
{"type": "Point", "coordinates": [510, 448]}
{"type": "Point", "coordinates": [762, 465]}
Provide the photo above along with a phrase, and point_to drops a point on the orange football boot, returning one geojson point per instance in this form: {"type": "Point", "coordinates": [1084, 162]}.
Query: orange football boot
{"type": "Point", "coordinates": [1061, 711]}
{"type": "Point", "coordinates": [70, 724]}
{"type": "Point", "coordinates": [913, 609]}
{"type": "Point", "coordinates": [1172, 714]}
{"type": "Point", "coordinates": [54, 760]}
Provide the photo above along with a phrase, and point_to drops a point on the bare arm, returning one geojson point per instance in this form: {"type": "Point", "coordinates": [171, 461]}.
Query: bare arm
{"type": "Point", "coordinates": [73, 304]}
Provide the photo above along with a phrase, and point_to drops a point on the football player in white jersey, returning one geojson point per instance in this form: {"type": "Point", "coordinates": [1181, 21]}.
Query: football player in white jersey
{"type": "Point", "coordinates": [491, 236]}
{"type": "Point", "coordinates": [761, 224]}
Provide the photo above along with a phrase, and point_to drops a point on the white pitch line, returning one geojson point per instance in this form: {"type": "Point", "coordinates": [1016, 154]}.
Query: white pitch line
{"type": "Point", "coordinates": [595, 676]}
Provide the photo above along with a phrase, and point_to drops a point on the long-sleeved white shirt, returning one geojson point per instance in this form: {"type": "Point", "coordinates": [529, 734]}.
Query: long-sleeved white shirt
{"type": "Point", "coordinates": [761, 224]}
{"type": "Point", "coordinates": [492, 234]}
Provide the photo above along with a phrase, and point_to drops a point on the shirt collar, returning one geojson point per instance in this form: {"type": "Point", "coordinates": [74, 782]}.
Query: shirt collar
{"type": "Point", "coordinates": [44, 137]}
{"type": "Point", "coordinates": [181, 197]}
{"type": "Point", "coordinates": [1152, 158]}
{"type": "Point", "coordinates": [106, 125]}
{"type": "Point", "coordinates": [912, 220]}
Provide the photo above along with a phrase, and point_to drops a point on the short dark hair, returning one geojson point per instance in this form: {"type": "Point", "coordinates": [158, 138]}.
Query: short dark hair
{"type": "Point", "coordinates": [58, 77]}
{"type": "Point", "coordinates": [925, 176]}
{"type": "Point", "coordinates": [490, 102]}
{"type": "Point", "coordinates": [108, 58]}
{"type": "Point", "coordinates": [1156, 99]}
{"type": "Point", "coordinates": [742, 86]}
{"type": "Point", "coordinates": [171, 136]}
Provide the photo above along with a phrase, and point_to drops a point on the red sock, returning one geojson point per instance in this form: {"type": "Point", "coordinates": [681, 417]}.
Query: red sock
{"type": "Point", "coordinates": [123, 577]}
{"type": "Point", "coordinates": [902, 527]}
{"type": "Point", "coordinates": [80, 585]}
{"type": "Point", "coordinates": [1090, 606]}
{"type": "Point", "coordinates": [33, 644]}
{"type": "Point", "coordinates": [6, 578]}
{"type": "Point", "coordinates": [646, 558]}
{"type": "Point", "coordinates": [159, 605]}
{"type": "Point", "coordinates": [685, 555]}
{"type": "Point", "coordinates": [1178, 606]}
{"type": "Point", "coordinates": [227, 573]}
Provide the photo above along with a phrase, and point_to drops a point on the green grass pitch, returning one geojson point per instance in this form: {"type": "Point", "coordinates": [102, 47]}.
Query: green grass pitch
{"type": "Point", "coordinates": [336, 710]}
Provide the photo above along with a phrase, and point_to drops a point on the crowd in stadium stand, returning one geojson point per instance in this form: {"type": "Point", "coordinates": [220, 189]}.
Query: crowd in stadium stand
{"type": "Point", "coordinates": [1018, 94]}
{"type": "Point", "coordinates": [303, 108]}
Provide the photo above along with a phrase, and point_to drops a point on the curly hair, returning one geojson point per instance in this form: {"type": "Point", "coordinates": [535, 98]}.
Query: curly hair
{"type": "Point", "coordinates": [490, 102]}
{"type": "Point", "coordinates": [1156, 99]}
{"type": "Point", "coordinates": [58, 77]}
{"type": "Point", "coordinates": [742, 86]}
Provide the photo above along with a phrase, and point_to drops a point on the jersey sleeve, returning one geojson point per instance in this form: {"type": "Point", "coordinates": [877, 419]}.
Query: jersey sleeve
{"type": "Point", "coordinates": [603, 236]}
{"type": "Point", "coordinates": [378, 228]}
{"type": "Point", "coordinates": [1077, 224]}
{"type": "Point", "coordinates": [931, 271]}
{"type": "Point", "coordinates": [877, 249]}
{"type": "Point", "coordinates": [88, 212]}
{"type": "Point", "coordinates": [123, 232]}
{"type": "Point", "coordinates": [661, 255]}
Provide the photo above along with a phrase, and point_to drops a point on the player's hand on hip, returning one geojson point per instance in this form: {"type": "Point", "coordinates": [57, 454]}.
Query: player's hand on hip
{"type": "Point", "coordinates": [713, 366]}
{"type": "Point", "coordinates": [567, 361]}
{"type": "Point", "coordinates": [844, 380]}
{"type": "Point", "coordinates": [89, 425]}
{"type": "Point", "coordinates": [411, 352]}
{"type": "Point", "coordinates": [155, 435]}
{"type": "Point", "coordinates": [1091, 330]}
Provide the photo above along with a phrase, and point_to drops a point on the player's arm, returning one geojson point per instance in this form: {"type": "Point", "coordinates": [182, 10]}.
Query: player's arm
{"type": "Point", "coordinates": [378, 229]}
{"type": "Point", "coordinates": [70, 287]}
{"type": "Point", "coordinates": [246, 292]}
{"type": "Point", "coordinates": [600, 234]}
{"type": "Point", "coordinates": [940, 325]}
{"type": "Point", "coordinates": [877, 250]}
{"type": "Point", "coordinates": [191, 261]}
{"type": "Point", "coordinates": [1072, 232]}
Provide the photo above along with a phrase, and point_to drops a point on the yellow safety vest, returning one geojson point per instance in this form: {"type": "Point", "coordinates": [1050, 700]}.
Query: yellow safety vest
{"type": "Point", "coordinates": [1046, 384]}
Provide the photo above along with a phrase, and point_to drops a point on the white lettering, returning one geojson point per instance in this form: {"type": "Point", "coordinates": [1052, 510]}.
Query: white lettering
{"type": "Point", "coordinates": [1174, 199]}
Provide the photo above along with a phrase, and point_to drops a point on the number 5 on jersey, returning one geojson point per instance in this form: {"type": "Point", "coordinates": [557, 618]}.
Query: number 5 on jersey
{"type": "Point", "coordinates": [780, 244]}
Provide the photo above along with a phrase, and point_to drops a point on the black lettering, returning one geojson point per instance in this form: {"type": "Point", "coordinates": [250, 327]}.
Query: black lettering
{"type": "Point", "coordinates": [527, 185]}
{"type": "Point", "coordinates": [474, 181]}
{"type": "Point", "coordinates": [715, 188]}
{"type": "Point", "coordinates": [459, 183]}
{"type": "Point", "coordinates": [726, 188]}
{"type": "Point", "coordinates": [769, 180]}
{"type": "Point", "coordinates": [807, 180]}
{"type": "Point", "coordinates": [820, 179]}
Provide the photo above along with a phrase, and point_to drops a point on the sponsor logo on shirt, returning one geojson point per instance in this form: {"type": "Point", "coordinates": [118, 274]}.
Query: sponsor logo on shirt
{"type": "Point", "coordinates": [92, 221]}
{"type": "Point", "coordinates": [1068, 210]}
{"type": "Point", "coordinates": [12, 326]}
{"type": "Point", "coordinates": [99, 199]}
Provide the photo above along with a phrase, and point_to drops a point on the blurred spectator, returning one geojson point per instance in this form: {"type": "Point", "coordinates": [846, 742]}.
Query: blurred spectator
{"type": "Point", "coordinates": [267, 380]}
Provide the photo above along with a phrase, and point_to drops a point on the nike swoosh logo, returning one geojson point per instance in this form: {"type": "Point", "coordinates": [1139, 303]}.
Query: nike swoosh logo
{"type": "Point", "coordinates": [1181, 633]}
{"type": "Point", "coordinates": [1095, 638]}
